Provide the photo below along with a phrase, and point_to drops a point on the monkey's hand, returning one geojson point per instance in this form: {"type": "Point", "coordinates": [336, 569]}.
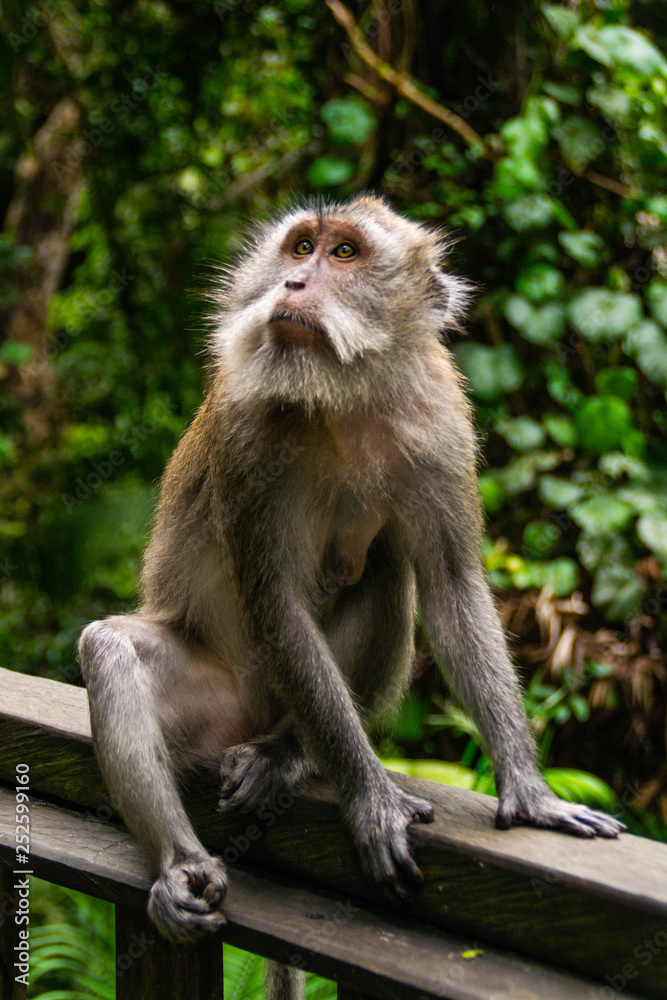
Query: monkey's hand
{"type": "Point", "coordinates": [255, 773]}
{"type": "Point", "coordinates": [536, 805]}
{"type": "Point", "coordinates": [185, 901]}
{"type": "Point", "coordinates": [379, 820]}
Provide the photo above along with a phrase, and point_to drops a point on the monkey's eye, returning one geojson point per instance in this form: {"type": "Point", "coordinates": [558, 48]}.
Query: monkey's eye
{"type": "Point", "coordinates": [344, 251]}
{"type": "Point", "coordinates": [303, 248]}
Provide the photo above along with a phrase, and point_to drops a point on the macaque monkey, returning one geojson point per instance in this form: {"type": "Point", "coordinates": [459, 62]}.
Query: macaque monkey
{"type": "Point", "coordinates": [324, 493]}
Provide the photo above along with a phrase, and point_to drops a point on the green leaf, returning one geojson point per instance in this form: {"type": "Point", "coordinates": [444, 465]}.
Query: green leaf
{"type": "Point", "coordinates": [561, 429]}
{"type": "Point", "coordinates": [559, 493]}
{"type": "Point", "coordinates": [600, 315]}
{"type": "Point", "coordinates": [525, 137]}
{"type": "Point", "coordinates": [491, 371]}
{"type": "Point", "coordinates": [561, 576]}
{"type": "Point", "coordinates": [540, 325]}
{"type": "Point", "coordinates": [652, 530]}
{"type": "Point", "coordinates": [13, 352]}
{"type": "Point", "coordinates": [586, 38]}
{"type": "Point", "coordinates": [521, 433]}
{"type": "Point", "coordinates": [630, 48]}
{"type": "Point", "coordinates": [580, 786]}
{"type": "Point", "coordinates": [532, 211]}
{"type": "Point", "coordinates": [563, 20]}
{"type": "Point", "coordinates": [329, 171]}
{"type": "Point", "coordinates": [580, 141]}
{"type": "Point", "coordinates": [615, 464]}
{"type": "Point", "coordinates": [540, 538]}
{"type": "Point", "coordinates": [602, 513]}
{"type": "Point", "coordinates": [587, 248]}
{"type": "Point", "coordinates": [613, 102]}
{"type": "Point", "coordinates": [620, 381]}
{"type": "Point", "coordinates": [566, 93]}
{"type": "Point", "coordinates": [408, 723]}
{"type": "Point", "coordinates": [540, 282]}
{"type": "Point", "coordinates": [648, 344]}
{"type": "Point", "coordinates": [350, 121]}
{"type": "Point", "coordinates": [434, 770]}
{"type": "Point", "coordinates": [656, 294]}
{"type": "Point", "coordinates": [617, 589]}
{"type": "Point", "coordinates": [602, 422]}
{"type": "Point", "coordinates": [491, 492]}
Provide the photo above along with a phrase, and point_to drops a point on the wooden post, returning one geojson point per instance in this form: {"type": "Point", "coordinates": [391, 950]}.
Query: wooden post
{"type": "Point", "coordinates": [9, 937]}
{"type": "Point", "coordinates": [150, 968]}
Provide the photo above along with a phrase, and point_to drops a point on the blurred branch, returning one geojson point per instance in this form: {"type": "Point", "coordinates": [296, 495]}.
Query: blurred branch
{"type": "Point", "coordinates": [609, 184]}
{"type": "Point", "coordinates": [405, 85]}
{"type": "Point", "coordinates": [245, 184]}
{"type": "Point", "coordinates": [402, 82]}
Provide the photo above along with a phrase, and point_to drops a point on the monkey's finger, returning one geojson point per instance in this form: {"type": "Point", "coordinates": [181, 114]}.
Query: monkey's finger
{"type": "Point", "coordinates": [230, 785]}
{"type": "Point", "coordinates": [409, 868]}
{"type": "Point", "coordinates": [585, 826]}
{"type": "Point", "coordinates": [238, 802]}
{"type": "Point", "coordinates": [423, 812]}
{"type": "Point", "coordinates": [604, 825]}
{"type": "Point", "coordinates": [381, 867]}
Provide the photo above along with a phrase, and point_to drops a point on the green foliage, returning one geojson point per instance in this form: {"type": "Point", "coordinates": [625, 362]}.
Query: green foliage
{"type": "Point", "coordinates": [561, 224]}
{"type": "Point", "coordinates": [72, 952]}
{"type": "Point", "coordinates": [547, 707]}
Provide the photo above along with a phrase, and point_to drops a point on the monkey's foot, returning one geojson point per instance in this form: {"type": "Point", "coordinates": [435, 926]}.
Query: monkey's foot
{"type": "Point", "coordinates": [540, 807]}
{"type": "Point", "coordinates": [185, 901]}
{"type": "Point", "coordinates": [379, 823]}
{"type": "Point", "coordinates": [255, 773]}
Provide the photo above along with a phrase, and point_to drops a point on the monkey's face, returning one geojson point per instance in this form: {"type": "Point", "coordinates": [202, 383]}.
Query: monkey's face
{"type": "Point", "coordinates": [332, 301]}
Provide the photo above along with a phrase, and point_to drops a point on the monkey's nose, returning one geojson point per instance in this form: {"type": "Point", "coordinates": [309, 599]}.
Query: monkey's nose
{"type": "Point", "coordinates": [295, 286]}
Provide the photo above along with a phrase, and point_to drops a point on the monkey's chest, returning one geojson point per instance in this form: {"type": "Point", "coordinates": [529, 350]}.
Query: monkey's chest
{"type": "Point", "coordinates": [362, 459]}
{"type": "Point", "coordinates": [346, 538]}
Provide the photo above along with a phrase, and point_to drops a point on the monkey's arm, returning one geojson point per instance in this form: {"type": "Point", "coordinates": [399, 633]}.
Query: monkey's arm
{"type": "Point", "coordinates": [467, 637]}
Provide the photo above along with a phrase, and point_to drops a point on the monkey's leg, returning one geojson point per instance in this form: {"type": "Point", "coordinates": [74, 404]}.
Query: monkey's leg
{"type": "Point", "coordinates": [127, 663]}
{"type": "Point", "coordinates": [369, 630]}
{"type": "Point", "coordinates": [467, 637]}
{"type": "Point", "coordinates": [303, 675]}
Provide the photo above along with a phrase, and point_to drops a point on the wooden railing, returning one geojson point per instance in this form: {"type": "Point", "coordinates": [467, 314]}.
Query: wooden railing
{"type": "Point", "coordinates": [502, 915]}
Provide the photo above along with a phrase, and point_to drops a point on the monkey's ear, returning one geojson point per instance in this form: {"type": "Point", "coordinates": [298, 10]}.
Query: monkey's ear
{"type": "Point", "coordinates": [451, 295]}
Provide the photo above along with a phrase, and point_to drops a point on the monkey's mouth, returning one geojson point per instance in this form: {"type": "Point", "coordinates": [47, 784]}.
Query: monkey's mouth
{"type": "Point", "coordinates": [289, 327]}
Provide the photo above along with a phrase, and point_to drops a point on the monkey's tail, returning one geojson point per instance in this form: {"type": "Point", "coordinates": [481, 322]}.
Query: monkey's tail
{"type": "Point", "coordinates": [283, 982]}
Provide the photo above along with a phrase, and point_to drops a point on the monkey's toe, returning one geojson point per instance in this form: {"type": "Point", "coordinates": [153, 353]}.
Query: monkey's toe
{"type": "Point", "coordinates": [381, 834]}
{"type": "Point", "coordinates": [553, 813]}
{"type": "Point", "coordinates": [185, 901]}
{"type": "Point", "coordinates": [256, 773]}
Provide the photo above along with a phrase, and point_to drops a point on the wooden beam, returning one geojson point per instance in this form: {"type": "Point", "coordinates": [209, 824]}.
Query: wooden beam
{"type": "Point", "coordinates": [363, 948]}
{"type": "Point", "coordinates": [588, 906]}
{"type": "Point", "coordinates": [150, 968]}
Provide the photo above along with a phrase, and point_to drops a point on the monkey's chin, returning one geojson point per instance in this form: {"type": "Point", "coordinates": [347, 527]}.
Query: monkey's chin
{"type": "Point", "coordinates": [289, 332]}
{"type": "Point", "coordinates": [297, 373]}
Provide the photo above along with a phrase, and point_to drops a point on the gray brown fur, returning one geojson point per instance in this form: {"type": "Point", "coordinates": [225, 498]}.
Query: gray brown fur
{"type": "Point", "coordinates": [325, 492]}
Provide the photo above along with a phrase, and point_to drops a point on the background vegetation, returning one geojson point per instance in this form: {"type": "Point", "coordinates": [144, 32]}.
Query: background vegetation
{"type": "Point", "coordinates": [137, 139]}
